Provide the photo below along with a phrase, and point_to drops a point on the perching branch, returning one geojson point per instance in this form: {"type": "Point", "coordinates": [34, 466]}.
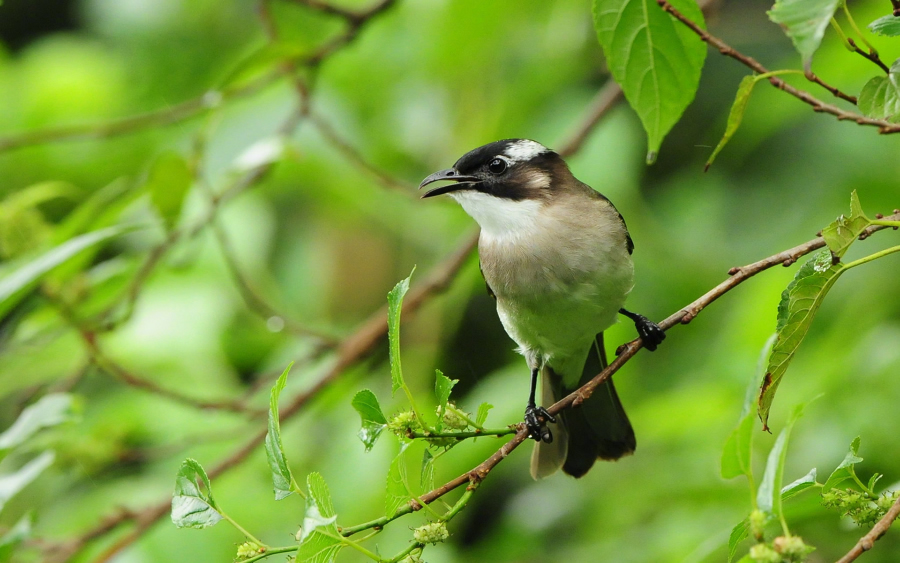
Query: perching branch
{"type": "Point", "coordinates": [866, 542]}
{"type": "Point", "coordinates": [818, 105]}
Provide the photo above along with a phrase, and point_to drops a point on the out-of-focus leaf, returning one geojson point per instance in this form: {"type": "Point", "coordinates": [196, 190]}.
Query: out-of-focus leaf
{"type": "Point", "coordinates": [798, 306]}
{"type": "Point", "coordinates": [12, 483]}
{"type": "Point", "coordinates": [769, 496]}
{"type": "Point", "coordinates": [840, 234]}
{"type": "Point", "coordinates": [264, 59]}
{"type": "Point", "coordinates": [482, 414]}
{"type": "Point", "coordinates": [372, 419]}
{"type": "Point", "coordinates": [169, 180]}
{"type": "Point", "coordinates": [22, 225]}
{"type": "Point", "coordinates": [793, 489]}
{"type": "Point", "coordinates": [427, 478]}
{"type": "Point", "coordinates": [281, 472]}
{"type": "Point", "coordinates": [395, 304]}
{"type": "Point", "coordinates": [319, 540]}
{"type": "Point", "coordinates": [15, 284]}
{"type": "Point", "coordinates": [656, 59]}
{"type": "Point", "coordinates": [738, 534]}
{"type": "Point", "coordinates": [735, 116]}
{"type": "Point", "coordinates": [264, 152]}
{"type": "Point", "coordinates": [843, 471]}
{"type": "Point", "coordinates": [98, 210]}
{"type": "Point", "coordinates": [14, 536]}
{"type": "Point", "coordinates": [804, 21]}
{"type": "Point", "coordinates": [50, 410]}
{"type": "Point", "coordinates": [738, 448]}
{"type": "Point", "coordinates": [888, 26]}
{"type": "Point", "coordinates": [880, 97]}
{"type": "Point", "coordinates": [191, 506]}
{"type": "Point", "coordinates": [397, 492]}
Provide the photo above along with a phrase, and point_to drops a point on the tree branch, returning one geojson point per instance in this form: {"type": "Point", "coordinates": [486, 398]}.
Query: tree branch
{"type": "Point", "coordinates": [866, 542]}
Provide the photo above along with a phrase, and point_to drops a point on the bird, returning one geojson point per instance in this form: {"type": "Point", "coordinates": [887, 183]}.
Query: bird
{"type": "Point", "coordinates": [556, 257]}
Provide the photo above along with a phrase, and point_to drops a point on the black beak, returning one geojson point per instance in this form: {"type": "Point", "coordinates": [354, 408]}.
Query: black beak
{"type": "Point", "coordinates": [460, 182]}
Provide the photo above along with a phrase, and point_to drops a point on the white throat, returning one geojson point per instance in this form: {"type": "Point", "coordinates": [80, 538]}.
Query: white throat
{"type": "Point", "coordinates": [500, 219]}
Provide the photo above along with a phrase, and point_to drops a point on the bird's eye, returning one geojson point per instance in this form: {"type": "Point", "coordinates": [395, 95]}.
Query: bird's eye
{"type": "Point", "coordinates": [497, 166]}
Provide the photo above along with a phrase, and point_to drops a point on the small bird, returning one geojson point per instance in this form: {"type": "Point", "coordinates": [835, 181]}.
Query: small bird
{"type": "Point", "coordinates": [556, 256]}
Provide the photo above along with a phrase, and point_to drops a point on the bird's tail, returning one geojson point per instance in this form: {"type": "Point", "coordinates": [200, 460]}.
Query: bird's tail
{"type": "Point", "coordinates": [598, 428]}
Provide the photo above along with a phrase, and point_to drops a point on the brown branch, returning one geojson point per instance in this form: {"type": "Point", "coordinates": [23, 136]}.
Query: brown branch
{"type": "Point", "coordinates": [818, 105]}
{"type": "Point", "coordinates": [603, 101]}
{"type": "Point", "coordinates": [812, 77]}
{"type": "Point", "coordinates": [866, 542]}
{"type": "Point", "coordinates": [868, 55]}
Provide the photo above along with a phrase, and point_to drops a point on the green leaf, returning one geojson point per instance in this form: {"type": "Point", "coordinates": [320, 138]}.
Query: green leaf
{"type": "Point", "coordinates": [320, 540]}
{"type": "Point", "coordinates": [14, 536]}
{"type": "Point", "coordinates": [169, 180]}
{"type": "Point", "coordinates": [397, 492]}
{"type": "Point", "coordinates": [793, 489]}
{"type": "Point", "coordinates": [395, 304]}
{"type": "Point", "coordinates": [735, 116]}
{"type": "Point", "coordinates": [263, 59]}
{"type": "Point", "coordinates": [655, 59]}
{"type": "Point", "coordinates": [840, 234]}
{"type": "Point", "coordinates": [50, 410]}
{"type": "Point", "coordinates": [804, 21]}
{"type": "Point", "coordinates": [22, 225]}
{"type": "Point", "coordinates": [371, 417]}
{"type": "Point", "coordinates": [799, 303]}
{"type": "Point", "coordinates": [282, 477]}
{"type": "Point", "coordinates": [873, 480]}
{"type": "Point", "coordinates": [442, 387]}
{"type": "Point", "coordinates": [264, 152]}
{"type": "Point", "coordinates": [482, 414]}
{"type": "Point", "coordinates": [844, 470]}
{"type": "Point", "coordinates": [738, 448]}
{"type": "Point", "coordinates": [12, 483]}
{"type": "Point", "coordinates": [427, 478]}
{"type": "Point", "coordinates": [880, 97]}
{"type": "Point", "coordinates": [738, 534]}
{"type": "Point", "coordinates": [191, 506]}
{"type": "Point", "coordinates": [100, 209]}
{"type": "Point", "coordinates": [768, 498]}
{"type": "Point", "coordinates": [888, 26]}
{"type": "Point", "coordinates": [14, 285]}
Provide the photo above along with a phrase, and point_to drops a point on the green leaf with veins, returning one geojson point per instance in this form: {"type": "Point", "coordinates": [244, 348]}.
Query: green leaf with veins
{"type": "Point", "coordinates": [655, 59]}
{"type": "Point", "coordinates": [50, 410]}
{"type": "Point", "coordinates": [888, 26]}
{"type": "Point", "coordinates": [397, 492]}
{"type": "Point", "coordinates": [427, 478]}
{"type": "Point", "coordinates": [840, 234]}
{"type": "Point", "coordinates": [169, 180]}
{"type": "Point", "coordinates": [736, 454]}
{"type": "Point", "coordinates": [282, 477]}
{"type": "Point", "coordinates": [320, 540]}
{"type": "Point", "coordinates": [395, 304]}
{"type": "Point", "coordinates": [372, 419]}
{"type": "Point", "coordinates": [482, 414]}
{"type": "Point", "coordinates": [796, 487]}
{"type": "Point", "coordinates": [738, 534]}
{"type": "Point", "coordinates": [844, 471]}
{"type": "Point", "coordinates": [880, 97]}
{"type": "Point", "coordinates": [191, 506]}
{"type": "Point", "coordinates": [804, 21]}
{"type": "Point", "coordinates": [769, 496]}
{"type": "Point", "coordinates": [798, 306]}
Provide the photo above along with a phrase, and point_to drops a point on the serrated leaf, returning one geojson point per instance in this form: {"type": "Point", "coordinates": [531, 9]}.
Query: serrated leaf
{"type": "Point", "coordinates": [24, 275]}
{"type": "Point", "coordinates": [169, 180]}
{"type": "Point", "coordinates": [768, 498]}
{"type": "Point", "coordinates": [735, 116]}
{"type": "Point", "coordinates": [282, 477]}
{"type": "Point", "coordinates": [842, 472]}
{"type": "Point", "coordinates": [12, 483]}
{"type": "Point", "coordinates": [873, 480]}
{"type": "Point", "coordinates": [880, 97]}
{"type": "Point", "coordinates": [14, 536]}
{"type": "Point", "coordinates": [395, 304]}
{"type": "Point", "coordinates": [655, 59]}
{"type": "Point", "coordinates": [737, 450]}
{"type": "Point", "coordinates": [50, 410]}
{"type": "Point", "coordinates": [888, 26]}
{"type": "Point", "coordinates": [804, 21]}
{"type": "Point", "coordinates": [841, 233]}
{"type": "Point", "coordinates": [191, 506]}
{"type": "Point", "coordinates": [427, 478]}
{"type": "Point", "coordinates": [798, 306]}
{"type": "Point", "coordinates": [372, 419]}
{"type": "Point", "coordinates": [795, 488]}
{"type": "Point", "coordinates": [320, 540]}
{"type": "Point", "coordinates": [738, 534]}
{"type": "Point", "coordinates": [396, 493]}
{"type": "Point", "coordinates": [482, 414]}
{"type": "Point", "coordinates": [442, 387]}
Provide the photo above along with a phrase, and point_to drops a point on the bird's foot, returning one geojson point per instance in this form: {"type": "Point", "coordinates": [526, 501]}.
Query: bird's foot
{"type": "Point", "coordinates": [651, 334]}
{"type": "Point", "coordinates": [537, 429]}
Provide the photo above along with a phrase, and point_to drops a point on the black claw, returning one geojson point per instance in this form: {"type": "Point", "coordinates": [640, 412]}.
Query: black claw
{"type": "Point", "coordinates": [536, 428]}
{"type": "Point", "coordinates": [651, 334]}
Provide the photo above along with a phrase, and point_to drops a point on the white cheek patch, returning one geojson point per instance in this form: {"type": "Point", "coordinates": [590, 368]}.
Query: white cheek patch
{"type": "Point", "coordinates": [500, 219]}
{"type": "Point", "coordinates": [524, 150]}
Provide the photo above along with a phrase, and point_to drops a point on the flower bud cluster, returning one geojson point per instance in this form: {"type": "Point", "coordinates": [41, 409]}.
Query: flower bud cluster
{"type": "Point", "coordinates": [249, 549]}
{"type": "Point", "coordinates": [433, 532]}
{"type": "Point", "coordinates": [403, 423]}
{"type": "Point", "coordinates": [784, 549]}
{"type": "Point", "coordinates": [860, 507]}
{"type": "Point", "coordinates": [451, 419]}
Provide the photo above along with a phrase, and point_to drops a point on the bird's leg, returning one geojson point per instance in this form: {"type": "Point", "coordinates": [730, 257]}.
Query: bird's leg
{"type": "Point", "coordinates": [650, 332]}
{"type": "Point", "coordinates": [534, 413]}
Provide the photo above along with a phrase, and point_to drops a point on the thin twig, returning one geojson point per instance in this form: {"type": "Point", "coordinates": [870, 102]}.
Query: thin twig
{"type": "Point", "coordinates": [818, 105]}
{"type": "Point", "coordinates": [866, 542]}
{"type": "Point", "coordinates": [812, 77]}
{"type": "Point", "coordinates": [869, 55]}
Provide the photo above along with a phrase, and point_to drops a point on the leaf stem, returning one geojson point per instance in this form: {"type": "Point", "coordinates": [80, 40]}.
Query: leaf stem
{"type": "Point", "coordinates": [250, 536]}
{"type": "Point", "coordinates": [865, 489]}
{"type": "Point", "coordinates": [885, 222]}
{"type": "Point", "coordinates": [837, 27]}
{"type": "Point", "coordinates": [872, 50]}
{"type": "Point", "coordinates": [348, 542]}
{"type": "Point", "coordinates": [461, 503]}
{"type": "Point", "coordinates": [871, 257]}
{"type": "Point", "coordinates": [412, 547]}
{"type": "Point", "coordinates": [465, 434]}
{"type": "Point", "coordinates": [272, 551]}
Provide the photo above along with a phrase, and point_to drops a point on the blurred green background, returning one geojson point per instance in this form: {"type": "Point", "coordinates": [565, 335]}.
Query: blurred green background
{"type": "Point", "coordinates": [322, 239]}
